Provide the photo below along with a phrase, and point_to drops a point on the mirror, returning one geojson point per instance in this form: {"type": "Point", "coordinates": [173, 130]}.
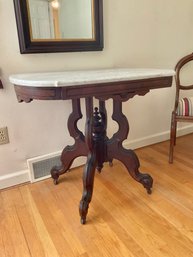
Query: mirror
{"type": "Point", "coordinates": [59, 25]}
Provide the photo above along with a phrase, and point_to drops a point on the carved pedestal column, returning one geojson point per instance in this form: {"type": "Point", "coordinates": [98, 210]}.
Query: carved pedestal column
{"type": "Point", "coordinates": [98, 147]}
{"type": "Point", "coordinates": [96, 141]}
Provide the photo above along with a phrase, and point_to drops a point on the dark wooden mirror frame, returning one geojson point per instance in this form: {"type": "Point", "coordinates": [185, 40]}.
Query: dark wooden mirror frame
{"type": "Point", "coordinates": [27, 46]}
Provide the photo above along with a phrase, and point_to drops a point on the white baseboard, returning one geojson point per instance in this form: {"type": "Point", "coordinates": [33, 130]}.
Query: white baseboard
{"type": "Point", "coordinates": [156, 138]}
{"type": "Point", "coordinates": [24, 176]}
{"type": "Point", "coordinates": [15, 178]}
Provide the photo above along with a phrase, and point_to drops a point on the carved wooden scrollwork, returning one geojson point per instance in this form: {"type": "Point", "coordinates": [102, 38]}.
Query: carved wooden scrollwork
{"type": "Point", "coordinates": [123, 96]}
{"type": "Point", "coordinates": [78, 149]}
{"type": "Point", "coordinates": [127, 157]}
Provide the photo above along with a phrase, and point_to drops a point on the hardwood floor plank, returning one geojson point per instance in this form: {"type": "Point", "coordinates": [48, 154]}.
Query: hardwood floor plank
{"type": "Point", "coordinates": [178, 218]}
{"type": "Point", "coordinates": [104, 237]}
{"type": "Point", "coordinates": [177, 215]}
{"type": "Point", "coordinates": [2, 231]}
{"type": "Point", "coordinates": [28, 224]}
{"type": "Point", "coordinates": [66, 241]}
{"type": "Point", "coordinates": [160, 234]}
{"type": "Point", "coordinates": [86, 234]}
{"type": "Point", "coordinates": [96, 214]}
{"type": "Point", "coordinates": [42, 220]}
{"type": "Point", "coordinates": [44, 237]}
{"type": "Point", "coordinates": [13, 236]}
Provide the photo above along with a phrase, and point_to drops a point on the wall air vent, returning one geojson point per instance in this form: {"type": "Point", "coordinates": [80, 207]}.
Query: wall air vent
{"type": "Point", "coordinates": [40, 166]}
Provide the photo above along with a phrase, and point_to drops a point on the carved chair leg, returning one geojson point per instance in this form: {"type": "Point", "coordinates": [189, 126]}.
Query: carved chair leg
{"type": "Point", "coordinates": [175, 132]}
{"type": "Point", "coordinates": [71, 152]}
{"type": "Point", "coordinates": [172, 137]}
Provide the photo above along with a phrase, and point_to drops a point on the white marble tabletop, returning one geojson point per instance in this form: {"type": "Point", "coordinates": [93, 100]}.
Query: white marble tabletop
{"type": "Point", "coordinates": [73, 78]}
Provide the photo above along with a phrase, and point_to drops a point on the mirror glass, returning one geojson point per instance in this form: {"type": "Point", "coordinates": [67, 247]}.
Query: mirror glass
{"type": "Point", "coordinates": [61, 19]}
{"type": "Point", "coordinates": [46, 26]}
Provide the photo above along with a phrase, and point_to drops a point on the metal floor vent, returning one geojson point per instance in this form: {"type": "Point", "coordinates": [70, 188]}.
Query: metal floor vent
{"type": "Point", "coordinates": [40, 167]}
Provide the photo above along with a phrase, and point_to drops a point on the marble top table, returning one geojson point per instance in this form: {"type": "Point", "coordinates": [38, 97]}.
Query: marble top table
{"type": "Point", "coordinates": [70, 78]}
{"type": "Point", "coordinates": [118, 84]}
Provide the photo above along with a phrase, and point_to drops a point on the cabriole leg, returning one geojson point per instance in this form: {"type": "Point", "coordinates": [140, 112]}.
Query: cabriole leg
{"type": "Point", "coordinates": [71, 152]}
{"type": "Point", "coordinates": [89, 170]}
{"type": "Point", "coordinates": [127, 157]}
{"type": "Point", "coordinates": [172, 137]}
{"type": "Point", "coordinates": [88, 183]}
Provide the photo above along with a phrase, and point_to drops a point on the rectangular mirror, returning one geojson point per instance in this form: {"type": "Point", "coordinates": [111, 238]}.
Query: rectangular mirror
{"type": "Point", "coordinates": [59, 25]}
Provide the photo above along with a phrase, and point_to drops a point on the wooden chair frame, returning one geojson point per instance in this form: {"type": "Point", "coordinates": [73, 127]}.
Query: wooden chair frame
{"type": "Point", "coordinates": [177, 118]}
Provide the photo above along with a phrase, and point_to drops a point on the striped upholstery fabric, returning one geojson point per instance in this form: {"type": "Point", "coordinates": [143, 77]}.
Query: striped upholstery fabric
{"type": "Point", "coordinates": [185, 107]}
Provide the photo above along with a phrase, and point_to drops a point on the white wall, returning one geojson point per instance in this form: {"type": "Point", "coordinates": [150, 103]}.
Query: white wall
{"type": "Point", "coordinates": [144, 33]}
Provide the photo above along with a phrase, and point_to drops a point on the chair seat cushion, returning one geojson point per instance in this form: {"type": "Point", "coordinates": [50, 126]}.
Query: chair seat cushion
{"type": "Point", "coordinates": [185, 107]}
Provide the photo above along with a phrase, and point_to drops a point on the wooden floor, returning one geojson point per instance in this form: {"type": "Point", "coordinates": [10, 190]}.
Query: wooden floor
{"type": "Point", "coordinates": [42, 220]}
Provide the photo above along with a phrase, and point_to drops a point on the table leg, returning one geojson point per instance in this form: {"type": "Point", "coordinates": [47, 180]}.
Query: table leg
{"type": "Point", "coordinates": [89, 169]}
{"type": "Point", "coordinates": [127, 157]}
{"type": "Point", "coordinates": [71, 152]}
{"type": "Point", "coordinates": [88, 183]}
